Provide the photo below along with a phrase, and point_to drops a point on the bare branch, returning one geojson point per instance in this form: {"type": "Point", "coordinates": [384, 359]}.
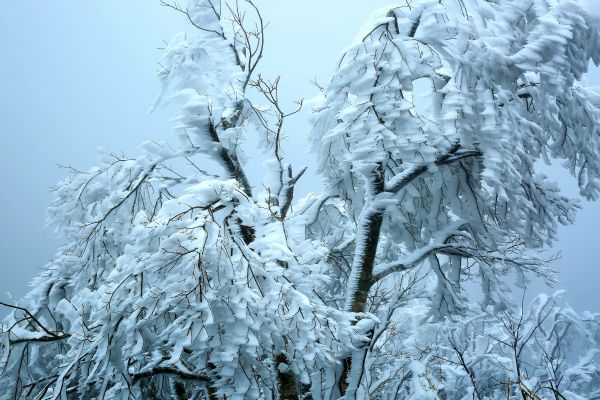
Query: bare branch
{"type": "Point", "coordinates": [185, 11]}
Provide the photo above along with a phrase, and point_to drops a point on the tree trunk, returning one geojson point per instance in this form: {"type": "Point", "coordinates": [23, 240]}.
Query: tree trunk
{"type": "Point", "coordinates": [361, 276]}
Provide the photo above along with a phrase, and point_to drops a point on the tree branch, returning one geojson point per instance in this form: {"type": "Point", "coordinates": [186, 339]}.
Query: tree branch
{"type": "Point", "coordinates": [436, 246]}
{"type": "Point", "coordinates": [289, 191]}
{"type": "Point", "coordinates": [412, 172]}
{"type": "Point", "coordinates": [43, 339]}
{"type": "Point", "coordinates": [29, 315]}
{"type": "Point", "coordinates": [229, 159]}
{"type": "Point", "coordinates": [171, 371]}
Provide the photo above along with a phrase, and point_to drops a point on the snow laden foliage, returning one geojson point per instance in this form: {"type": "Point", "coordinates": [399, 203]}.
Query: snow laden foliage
{"type": "Point", "coordinates": [182, 279]}
{"type": "Point", "coordinates": [436, 123]}
{"type": "Point", "coordinates": [430, 138]}
{"type": "Point", "coordinates": [176, 281]}
{"type": "Point", "coordinates": [543, 351]}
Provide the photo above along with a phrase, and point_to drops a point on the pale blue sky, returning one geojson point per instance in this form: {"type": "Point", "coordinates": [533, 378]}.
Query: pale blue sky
{"type": "Point", "coordinates": [76, 75]}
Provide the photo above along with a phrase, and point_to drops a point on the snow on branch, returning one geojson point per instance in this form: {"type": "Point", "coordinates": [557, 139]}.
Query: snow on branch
{"type": "Point", "coordinates": [410, 261]}
{"type": "Point", "coordinates": [181, 277]}
{"type": "Point", "coordinates": [412, 172]}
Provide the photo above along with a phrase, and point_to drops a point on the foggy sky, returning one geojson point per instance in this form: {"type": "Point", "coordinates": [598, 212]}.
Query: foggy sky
{"type": "Point", "coordinates": [75, 75]}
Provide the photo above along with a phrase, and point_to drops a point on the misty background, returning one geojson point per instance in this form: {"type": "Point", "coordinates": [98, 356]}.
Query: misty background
{"type": "Point", "coordinates": [76, 75]}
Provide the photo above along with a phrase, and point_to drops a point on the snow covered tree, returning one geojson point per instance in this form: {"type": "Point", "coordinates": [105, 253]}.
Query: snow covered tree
{"type": "Point", "coordinates": [181, 278]}
{"type": "Point", "coordinates": [431, 135]}
{"type": "Point", "coordinates": [544, 351]}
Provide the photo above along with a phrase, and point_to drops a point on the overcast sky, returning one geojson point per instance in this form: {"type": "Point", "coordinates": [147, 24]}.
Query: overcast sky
{"type": "Point", "coordinates": [76, 75]}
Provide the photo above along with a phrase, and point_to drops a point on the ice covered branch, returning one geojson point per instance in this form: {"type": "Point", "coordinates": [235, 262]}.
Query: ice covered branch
{"type": "Point", "coordinates": [412, 172]}
{"type": "Point", "coordinates": [228, 158]}
{"type": "Point", "coordinates": [438, 244]}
